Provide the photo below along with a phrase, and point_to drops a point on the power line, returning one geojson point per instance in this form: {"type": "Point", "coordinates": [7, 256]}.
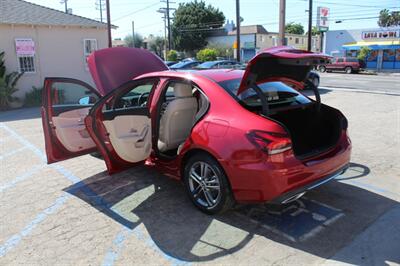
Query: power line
{"type": "Point", "coordinates": [137, 11]}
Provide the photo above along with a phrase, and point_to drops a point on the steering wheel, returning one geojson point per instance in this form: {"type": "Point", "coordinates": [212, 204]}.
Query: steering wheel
{"type": "Point", "coordinates": [141, 97]}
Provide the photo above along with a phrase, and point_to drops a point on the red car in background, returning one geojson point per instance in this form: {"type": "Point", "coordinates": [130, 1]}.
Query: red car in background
{"type": "Point", "coordinates": [347, 64]}
{"type": "Point", "coordinates": [229, 135]}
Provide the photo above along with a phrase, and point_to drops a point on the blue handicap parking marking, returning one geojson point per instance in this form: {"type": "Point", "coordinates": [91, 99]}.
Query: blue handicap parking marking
{"type": "Point", "coordinates": [296, 221]}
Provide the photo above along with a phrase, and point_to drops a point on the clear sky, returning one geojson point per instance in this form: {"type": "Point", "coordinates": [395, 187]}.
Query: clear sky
{"type": "Point", "coordinates": [354, 14]}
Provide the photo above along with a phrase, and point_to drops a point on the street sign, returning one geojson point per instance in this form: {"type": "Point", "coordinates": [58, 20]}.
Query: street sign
{"type": "Point", "coordinates": [322, 18]}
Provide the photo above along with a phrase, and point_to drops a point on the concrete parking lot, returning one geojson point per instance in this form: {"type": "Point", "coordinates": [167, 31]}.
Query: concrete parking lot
{"type": "Point", "coordinates": [73, 213]}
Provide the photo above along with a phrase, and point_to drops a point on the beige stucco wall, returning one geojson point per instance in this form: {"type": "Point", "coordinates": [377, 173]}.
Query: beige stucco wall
{"type": "Point", "coordinates": [58, 52]}
{"type": "Point", "coordinates": [266, 41]}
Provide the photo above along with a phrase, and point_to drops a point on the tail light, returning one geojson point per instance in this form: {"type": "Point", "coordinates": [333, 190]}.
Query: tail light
{"type": "Point", "coordinates": [270, 142]}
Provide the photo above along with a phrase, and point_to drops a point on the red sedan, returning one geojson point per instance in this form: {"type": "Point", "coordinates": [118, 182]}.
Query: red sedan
{"type": "Point", "coordinates": [229, 135]}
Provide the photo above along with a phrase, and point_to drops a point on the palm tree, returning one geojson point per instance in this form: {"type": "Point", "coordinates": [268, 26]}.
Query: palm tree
{"type": "Point", "coordinates": [8, 84]}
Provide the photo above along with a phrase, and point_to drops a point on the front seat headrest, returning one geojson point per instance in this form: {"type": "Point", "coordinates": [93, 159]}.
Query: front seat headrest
{"type": "Point", "coordinates": [182, 90]}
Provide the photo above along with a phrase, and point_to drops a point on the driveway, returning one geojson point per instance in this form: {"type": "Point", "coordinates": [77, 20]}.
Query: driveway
{"type": "Point", "coordinates": [74, 213]}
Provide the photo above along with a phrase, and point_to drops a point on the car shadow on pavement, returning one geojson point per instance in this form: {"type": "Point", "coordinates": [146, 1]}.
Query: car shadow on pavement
{"type": "Point", "coordinates": [20, 114]}
{"type": "Point", "coordinates": [143, 196]}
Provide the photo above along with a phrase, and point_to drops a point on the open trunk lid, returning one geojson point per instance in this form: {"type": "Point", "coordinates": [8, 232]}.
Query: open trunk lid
{"type": "Point", "coordinates": [112, 67]}
{"type": "Point", "coordinates": [280, 63]}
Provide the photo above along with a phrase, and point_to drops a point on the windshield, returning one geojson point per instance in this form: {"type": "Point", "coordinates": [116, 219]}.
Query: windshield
{"type": "Point", "coordinates": [209, 64]}
{"type": "Point", "coordinates": [180, 64]}
{"type": "Point", "coordinates": [277, 93]}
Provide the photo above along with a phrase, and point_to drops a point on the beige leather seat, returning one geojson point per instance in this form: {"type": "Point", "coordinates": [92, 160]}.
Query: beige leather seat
{"type": "Point", "coordinates": [178, 117]}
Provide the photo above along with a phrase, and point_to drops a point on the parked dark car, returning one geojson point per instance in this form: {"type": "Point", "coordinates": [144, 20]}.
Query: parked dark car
{"type": "Point", "coordinates": [219, 64]}
{"type": "Point", "coordinates": [187, 64]}
{"type": "Point", "coordinates": [170, 63]}
{"type": "Point", "coordinates": [346, 64]}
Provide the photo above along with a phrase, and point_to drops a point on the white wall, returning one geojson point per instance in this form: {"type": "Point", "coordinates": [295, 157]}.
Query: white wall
{"type": "Point", "coordinates": [58, 52]}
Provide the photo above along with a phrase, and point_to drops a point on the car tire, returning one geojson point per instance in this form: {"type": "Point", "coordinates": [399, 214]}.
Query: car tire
{"type": "Point", "coordinates": [207, 185]}
{"type": "Point", "coordinates": [348, 70]}
{"type": "Point", "coordinates": [322, 69]}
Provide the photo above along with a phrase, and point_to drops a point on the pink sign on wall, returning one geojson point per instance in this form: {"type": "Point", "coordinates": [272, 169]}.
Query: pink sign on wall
{"type": "Point", "coordinates": [25, 47]}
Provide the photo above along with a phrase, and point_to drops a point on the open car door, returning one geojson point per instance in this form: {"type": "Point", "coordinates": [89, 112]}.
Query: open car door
{"type": "Point", "coordinates": [120, 124]}
{"type": "Point", "coordinates": [66, 103]}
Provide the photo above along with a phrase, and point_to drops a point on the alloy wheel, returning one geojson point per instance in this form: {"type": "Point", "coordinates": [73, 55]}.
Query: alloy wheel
{"type": "Point", "coordinates": [204, 185]}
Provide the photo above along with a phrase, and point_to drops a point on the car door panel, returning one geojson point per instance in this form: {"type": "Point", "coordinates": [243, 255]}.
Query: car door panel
{"type": "Point", "coordinates": [71, 131]}
{"type": "Point", "coordinates": [122, 135]}
{"type": "Point", "coordinates": [130, 135]}
{"type": "Point", "coordinates": [63, 118]}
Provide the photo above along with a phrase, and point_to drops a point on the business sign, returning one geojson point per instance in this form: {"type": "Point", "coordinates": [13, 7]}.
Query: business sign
{"type": "Point", "coordinates": [380, 34]}
{"type": "Point", "coordinates": [25, 47]}
{"type": "Point", "coordinates": [322, 18]}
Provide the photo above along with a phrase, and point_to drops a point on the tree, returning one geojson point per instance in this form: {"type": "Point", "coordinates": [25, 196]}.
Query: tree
{"type": "Point", "coordinates": [207, 54]}
{"type": "Point", "coordinates": [388, 19]}
{"type": "Point", "coordinates": [8, 84]}
{"type": "Point", "coordinates": [315, 31]}
{"type": "Point", "coordinates": [172, 56]}
{"type": "Point", "coordinates": [364, 52]}
{"type": "Point", "coordinates": [136, 41]}
{"type": "Point", "coordinates": [192, 23]}
{"type": "Point", "coordinates": [294, 28]}
{"type": "Point", "coordinates": [156, 44]}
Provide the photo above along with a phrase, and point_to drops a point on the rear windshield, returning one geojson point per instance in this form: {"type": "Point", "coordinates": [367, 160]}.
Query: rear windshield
{"type": "Point", "coordinates": [277, 93]}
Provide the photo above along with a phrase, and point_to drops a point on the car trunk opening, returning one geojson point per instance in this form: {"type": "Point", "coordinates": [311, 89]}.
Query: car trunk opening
{"type": "Point", "coordinates": [312, 131]}
{"type": "Point", "coordinates": [313, 127]}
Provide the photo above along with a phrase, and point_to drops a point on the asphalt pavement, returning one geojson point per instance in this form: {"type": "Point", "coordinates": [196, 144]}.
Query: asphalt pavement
{"type": "Point", "coordinates": [382, 83]}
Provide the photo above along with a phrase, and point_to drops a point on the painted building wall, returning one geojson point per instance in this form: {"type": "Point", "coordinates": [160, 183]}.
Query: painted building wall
{"type": "Point", "coordinates": [59, 52]}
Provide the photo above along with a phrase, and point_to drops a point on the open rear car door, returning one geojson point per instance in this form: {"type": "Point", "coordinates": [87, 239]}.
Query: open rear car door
{"type": "Point", "coordinates": [66, 102]}
{"type": "Point", "coordinates": [120, 124]}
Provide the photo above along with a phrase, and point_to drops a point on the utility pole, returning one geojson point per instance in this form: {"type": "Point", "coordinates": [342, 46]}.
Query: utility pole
{"type": "Point", "coordinates": [309, 25]}
{"type": "Point", "coordinates": [282, 14]}
{"type": "Point", "coordinates": [167, 10]}
{"type": "Point", "coordinates": [164, 17]}
{"type": "Point", "coordinates": [238, 50]}
{"type": "Point", "coordinates": [108, 23]}
{"type": "Point", "coordinates": [99, 6]}
{"type": "Point", "coordinates": [169, 27]}
{"type": "Point", "coordinates": [133, 33]}
{"type": "Point", "coordinates": [65, 2]}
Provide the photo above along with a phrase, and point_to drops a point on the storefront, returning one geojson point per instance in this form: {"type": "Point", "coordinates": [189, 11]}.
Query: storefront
{"type": "Point", "coordinates": [384, 45]}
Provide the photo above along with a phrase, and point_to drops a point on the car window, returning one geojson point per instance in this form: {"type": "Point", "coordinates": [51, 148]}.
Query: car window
{"type": "Point", "coordinates": [137, 96]}
{"type": "Point", "coordinates": [277, 93]}
{"type": "Point", "coordinates": [340, 60]}
{"type": "Point", "coordinates": [66, 93]}
{"type": "Point", "coordinates": [206, 64]}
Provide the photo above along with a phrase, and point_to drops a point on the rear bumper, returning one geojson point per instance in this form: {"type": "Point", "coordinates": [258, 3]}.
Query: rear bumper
{"type": "Point", "coordinates": [297, 193]}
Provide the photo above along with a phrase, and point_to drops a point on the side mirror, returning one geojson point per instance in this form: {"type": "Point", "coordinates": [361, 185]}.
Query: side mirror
{"type": "Point", "coordinates": [84, 100]}
{"type": "Point", "coordinates": [87, 100]}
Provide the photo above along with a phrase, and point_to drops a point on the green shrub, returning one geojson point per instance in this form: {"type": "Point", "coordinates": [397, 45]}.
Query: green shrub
{"type": "Point", "coordinates": [33, 97]}
{"type": "Point", "coordinates": [207, 54]}
{"type": "Point", "coordinates": [8, 84]}
{"type": "Point", "coordinates": [364, 52]}
{"type": "Point", "coordinates": [172, 55]}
